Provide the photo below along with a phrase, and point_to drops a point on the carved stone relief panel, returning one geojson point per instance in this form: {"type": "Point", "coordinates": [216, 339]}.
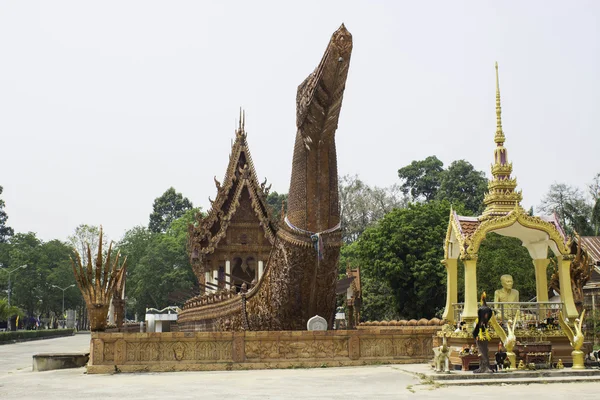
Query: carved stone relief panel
{"type": "Point", "coordinates": [149, 351]}
{"type": "Point", "coordinates": [132, 351]}
{"type": "Point", "coordinates": [109, 351]}
{"type": "Point", "coordinates": [376, 347]}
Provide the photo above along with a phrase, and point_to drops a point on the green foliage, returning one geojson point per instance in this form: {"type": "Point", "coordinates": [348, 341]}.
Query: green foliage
{"type": "Point", "coordinates": [159, 271]}
{"type": "Point", "coordinates": [7, 311]}
{"type": "Point", "coordinates": [37, 334]}
{"type": "Point", "coordinates": [47, 264]}
{"type": "Point", "coordinates": [5, 231]}
{"type": "Point", "coordinates": [401, 256]}
{"type": "Point", "coordinates": [575, 213]}
{"type": "Point", "coordinates": [166, 209]}
{"type": "Point", "coordinates": [85, 235]}
{"type": "Point", "coordinates": [499, 255]}
{"type": "Point", "coordinates": [275, 201]}
{"type": "Point", "coordinates": [461, 183]}
{"type": "Point", "coordinates": [422, 178]}
{"type": "Point", "coordinates": [362, 206]}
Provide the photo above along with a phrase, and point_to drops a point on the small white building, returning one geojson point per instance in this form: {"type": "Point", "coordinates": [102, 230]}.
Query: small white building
{"type": "Point", "coordinates": [160, 320]}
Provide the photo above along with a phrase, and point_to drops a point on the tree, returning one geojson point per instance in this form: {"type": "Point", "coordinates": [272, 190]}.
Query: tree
{"type": "Point", "coordinates": [499, 255]}
{"type": "Point", "coordinates": [422, 178]}
{"type": "Point", "coordinates": [362, 206]}
{"type": "Point", "coordinates": [133, 245]}
{"type": "Point", "coordinates": [594, 191]}
{"type": "Point", "coordinates": [56, 264]}
{"type": "Point", "coordinates": [86, 234]}
{"type": "Point", "coordinates": [276, 201]}
{"type": "Point", "coordinates": [5, 231]}
{"type": "Point", "coordinates": [403, 251]}
{"type": "Point", "coordinates": [29, 283]}
{"type": "Point", "coordinates": [377, 295]}
{"type": "Point", "coordinates": [569, 204]}
{"type": "Point", "coordinates": [166, 209]}
{"type": "Point", "coordinates": [7, 311]}
{"type": "Point", "coordinates": [462, 183]}
{"type": "Point", "coordinates": [163, 275]}
{"type": "Point", "coordinates": [459, 183]}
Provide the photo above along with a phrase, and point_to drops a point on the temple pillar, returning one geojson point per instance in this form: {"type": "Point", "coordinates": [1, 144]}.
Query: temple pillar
{"type": "Point", "coordinates": [470, 309]}
{"type": "Point", "coordinates": [215, 280]}
{"type": "Point", "coordinates": [541, 285]}
{"type": "Point", "coordinates": [111, 313]}
{"type": "Point", "coordinates": [541, 279]}
{"type": "Point", "coordinates": [227, 274]}
{"type": "Point", "coordinates": [451, 265]}
{"type": "Point", "coordinates": [261, 269]}
{"type": "Point", "coordinates": [566, 291]}
{"type": "Point", "coordinates": [207, 289]}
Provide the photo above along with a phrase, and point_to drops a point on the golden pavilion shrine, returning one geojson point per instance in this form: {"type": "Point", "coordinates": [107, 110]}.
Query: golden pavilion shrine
{"type": "Point", "coordinates": [503, 215]}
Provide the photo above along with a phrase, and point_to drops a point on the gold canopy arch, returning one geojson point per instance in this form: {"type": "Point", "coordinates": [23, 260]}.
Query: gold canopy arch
{"type": "Point", "coordinates": [504, 215]}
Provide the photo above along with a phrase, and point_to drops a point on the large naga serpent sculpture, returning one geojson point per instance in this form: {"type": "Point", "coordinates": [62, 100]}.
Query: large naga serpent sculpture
{"type": "Point", "coordinates": [301, 273]}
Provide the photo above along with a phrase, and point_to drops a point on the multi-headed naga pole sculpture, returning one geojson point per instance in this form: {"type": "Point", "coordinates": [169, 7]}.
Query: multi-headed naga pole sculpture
{"type": "Point", "coordinates": [97, 282]}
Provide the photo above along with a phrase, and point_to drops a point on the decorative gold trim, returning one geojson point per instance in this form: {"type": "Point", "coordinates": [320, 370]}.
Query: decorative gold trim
{"type": "Point", "coordinates": [454, 226]}
{"type": "Point", "coordinates": [517, 215]}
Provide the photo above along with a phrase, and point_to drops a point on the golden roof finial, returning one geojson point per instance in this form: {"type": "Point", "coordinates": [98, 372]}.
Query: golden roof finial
{"type": "Point", "coordinates": [499, 133]}
{"type": "Point", "coordinates": [501, 198]}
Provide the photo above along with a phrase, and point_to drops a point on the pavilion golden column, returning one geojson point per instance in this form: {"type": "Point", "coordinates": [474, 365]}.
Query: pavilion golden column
{"type": "Point", "coordinates": [541, 279]}
{"type": "Point", "coordinates": [470, 309]}
{"type": "Point", "coordinates": [566, 292]}
{"type": "Point", "coordinates": [451, 265]}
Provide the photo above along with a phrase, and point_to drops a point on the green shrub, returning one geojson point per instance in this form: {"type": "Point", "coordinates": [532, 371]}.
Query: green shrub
{"type": "Point", "coordinates": [42, 333]}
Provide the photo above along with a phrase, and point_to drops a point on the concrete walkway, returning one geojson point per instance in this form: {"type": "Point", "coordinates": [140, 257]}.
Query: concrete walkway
{"type": "Point", "coordinates": [373, 382]}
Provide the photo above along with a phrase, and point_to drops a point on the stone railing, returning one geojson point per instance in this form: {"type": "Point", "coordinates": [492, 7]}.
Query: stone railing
{"type": "Point", "coordinates": [531, 314]}
{"type": "Point", "coordinates": [194, 351]}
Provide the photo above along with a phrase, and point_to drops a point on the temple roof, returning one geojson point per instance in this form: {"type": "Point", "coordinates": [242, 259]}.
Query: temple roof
{"type": "Point", "coordinates": [591, 245]}
{"type": "Point", "coordinates": [240, 177]}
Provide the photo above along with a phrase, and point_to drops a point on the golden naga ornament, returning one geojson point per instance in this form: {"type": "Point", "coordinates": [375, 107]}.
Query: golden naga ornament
{"type": "Point", "coordinates": [575, 338]}
{"type": "Point", "coordinates": [508, 337]}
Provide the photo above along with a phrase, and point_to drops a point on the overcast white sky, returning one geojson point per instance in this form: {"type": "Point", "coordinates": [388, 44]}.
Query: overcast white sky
{"type": "Point", "coordinates": [104, 105]}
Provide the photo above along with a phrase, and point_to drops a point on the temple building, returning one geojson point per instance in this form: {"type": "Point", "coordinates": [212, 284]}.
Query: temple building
{"type": "Point", "coordinates": [229, 247]}
{"type": "Point", "coordinates": [503, 215]}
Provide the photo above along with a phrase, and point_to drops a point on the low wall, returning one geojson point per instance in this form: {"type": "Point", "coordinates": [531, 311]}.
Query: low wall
{"type": "Point", "coordinates": [196, 351]}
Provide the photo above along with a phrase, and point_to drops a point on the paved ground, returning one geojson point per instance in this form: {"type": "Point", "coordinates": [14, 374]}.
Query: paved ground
{"type": "Point", "coordinates": [376, 382]}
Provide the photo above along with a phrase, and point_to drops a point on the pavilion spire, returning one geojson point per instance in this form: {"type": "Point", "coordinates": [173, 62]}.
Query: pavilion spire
{"type": "Point", "coordinates": [499, 133]}
{"type": "Point", "coordinates": [501, 197]}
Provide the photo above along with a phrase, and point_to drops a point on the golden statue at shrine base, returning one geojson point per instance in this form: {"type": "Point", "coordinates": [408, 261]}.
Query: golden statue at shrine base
{"type": "Point", "coordinates": [509, 340]}
{"type": "Point", "coordinates": [575, 338]}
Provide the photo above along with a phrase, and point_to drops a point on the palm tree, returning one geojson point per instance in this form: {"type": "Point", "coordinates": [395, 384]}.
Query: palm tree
{"type": "Point", "coordinates": [7, 311]}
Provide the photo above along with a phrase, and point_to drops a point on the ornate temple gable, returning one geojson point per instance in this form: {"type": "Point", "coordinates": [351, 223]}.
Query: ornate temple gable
{"type": "Point", "coordinates": [240, 191]}
{"type": "Point", "coordinates": [502, 197]}
{"type": "Point", "coordinates": [460, 230]}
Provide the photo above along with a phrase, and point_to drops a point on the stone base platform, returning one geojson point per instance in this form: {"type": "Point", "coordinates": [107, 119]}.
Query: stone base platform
{"type": "Point", "coordinates": [561, 349]}
{"type": "Point", "coordinates": [199, 351]}
{"type": "Point", "coordinates": [50, 361]}
{"type": "Point", "coordinates": [465, 378]}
